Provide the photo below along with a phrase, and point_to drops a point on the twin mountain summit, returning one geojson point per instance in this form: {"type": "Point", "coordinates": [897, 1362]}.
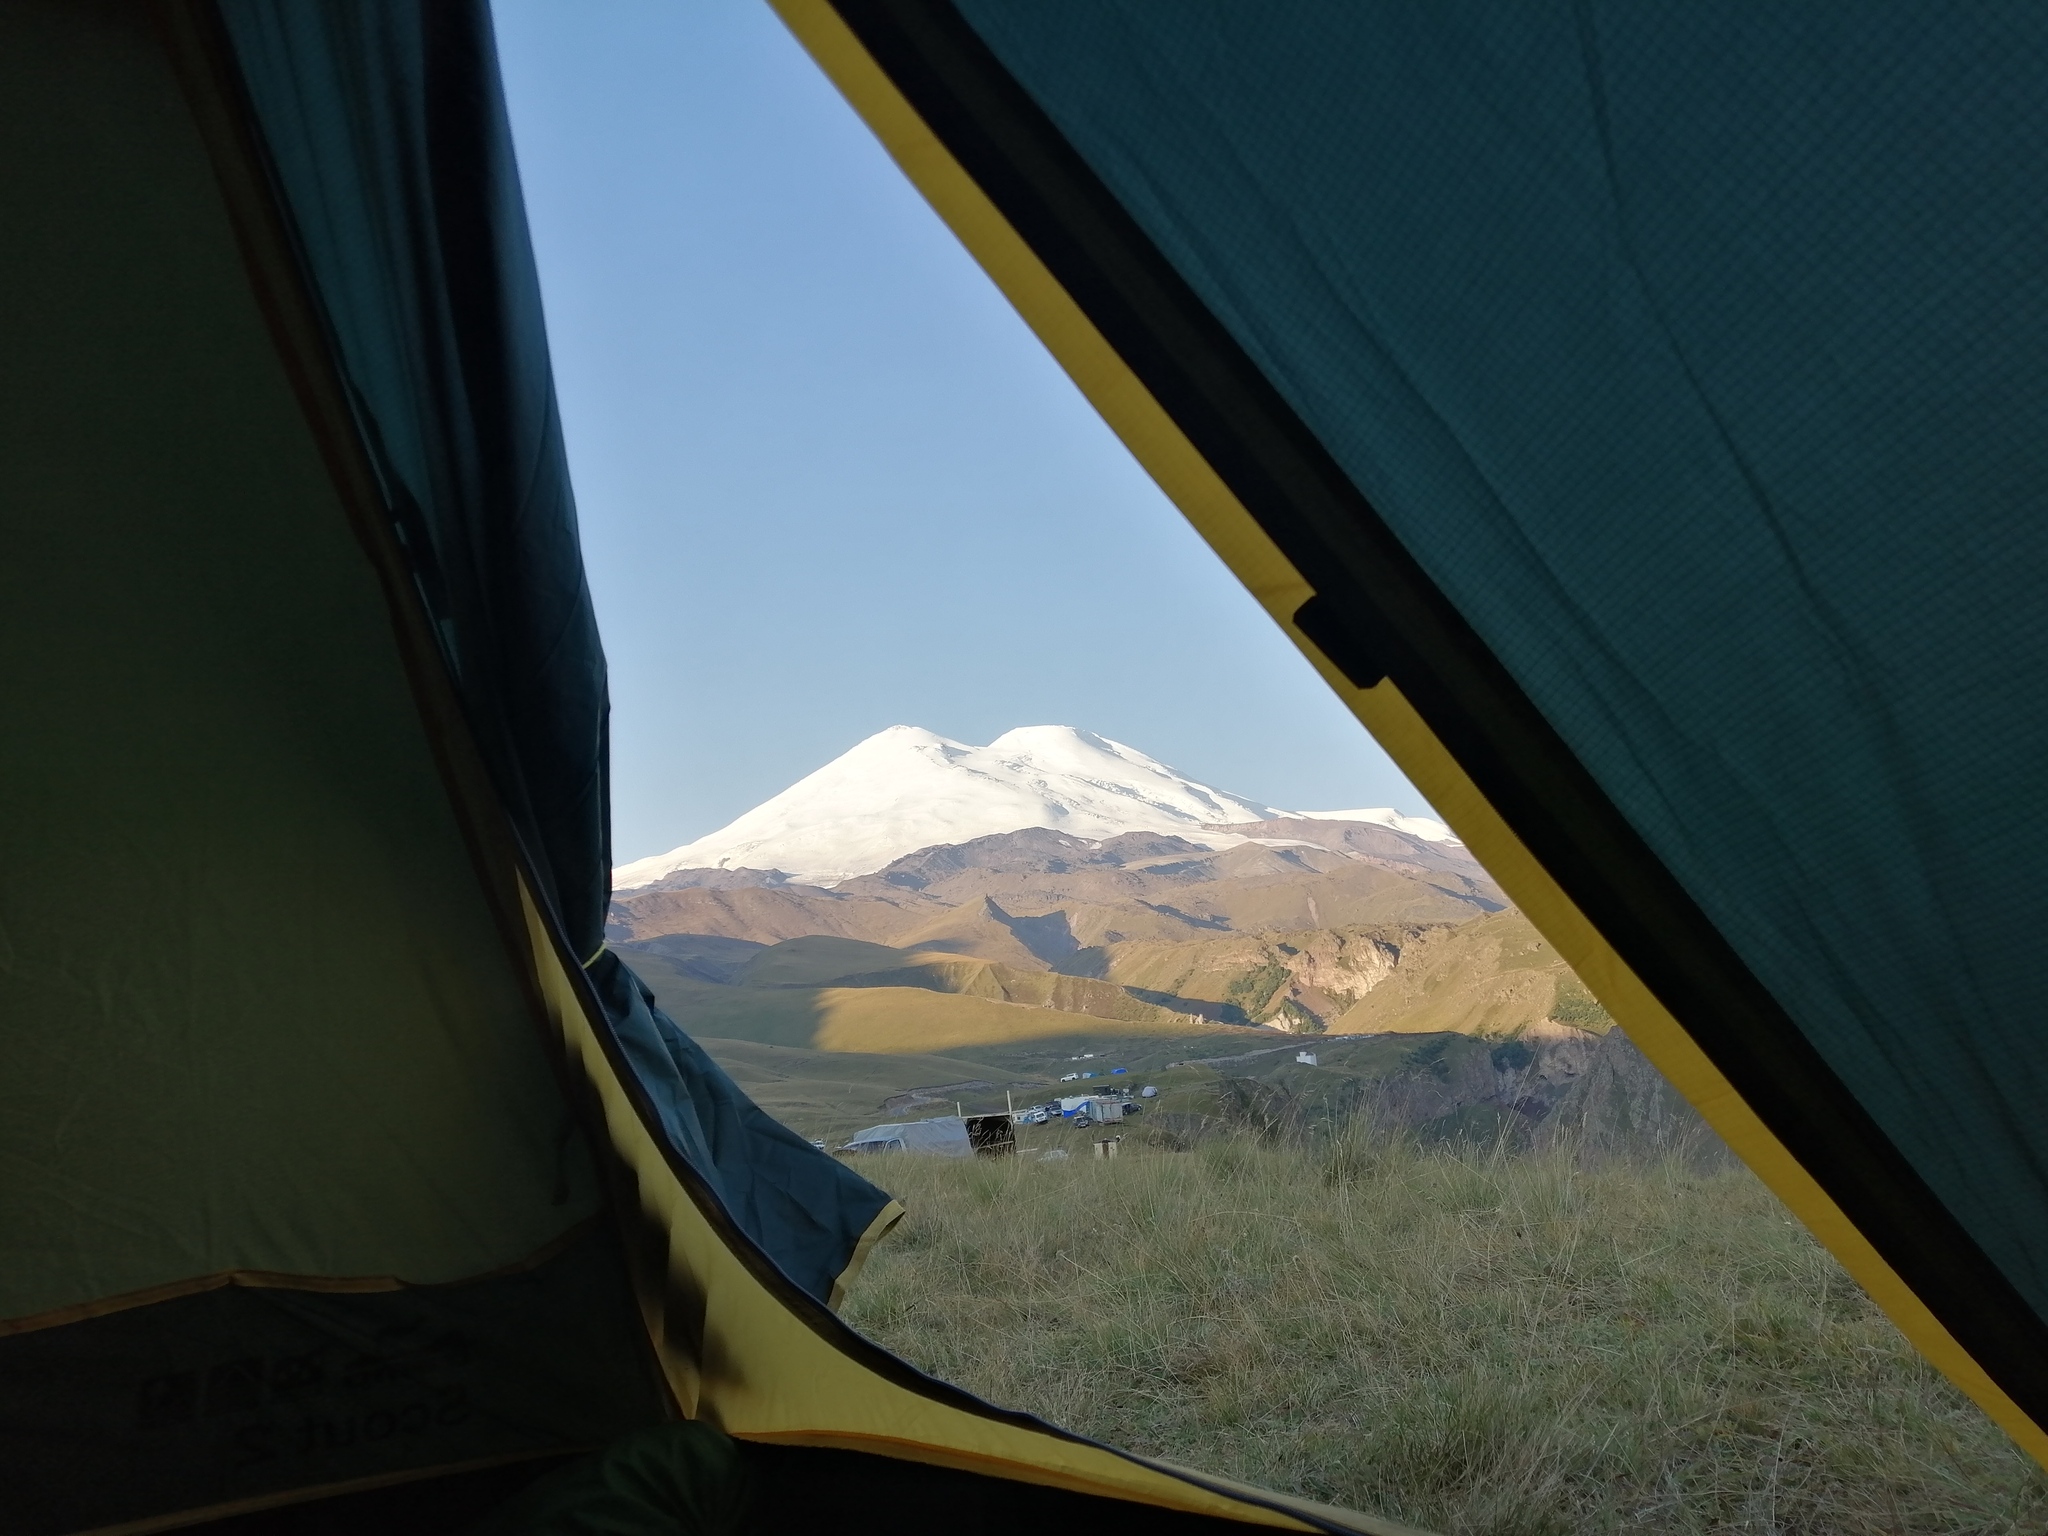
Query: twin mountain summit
{"type": "Point", "coordinates": [924, 911]}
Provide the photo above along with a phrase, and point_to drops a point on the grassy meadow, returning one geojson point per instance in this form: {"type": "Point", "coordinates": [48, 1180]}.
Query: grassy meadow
{"type": "Point", "coordinates": [1478, 1342]}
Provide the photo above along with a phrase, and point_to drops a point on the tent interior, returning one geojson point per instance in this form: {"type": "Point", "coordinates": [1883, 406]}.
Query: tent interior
{"type": "Point", "coordinates": [1634, 417]}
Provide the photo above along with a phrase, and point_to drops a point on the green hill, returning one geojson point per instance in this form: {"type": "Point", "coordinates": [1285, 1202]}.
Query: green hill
{"type": "Point", "coordinates": [877, 1015]}
{"type": "Point", "coordinates": [1493, 976]}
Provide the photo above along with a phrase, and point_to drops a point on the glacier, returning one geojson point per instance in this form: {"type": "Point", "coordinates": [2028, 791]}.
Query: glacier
{"type": "Point", "coordinates": [906, 788]}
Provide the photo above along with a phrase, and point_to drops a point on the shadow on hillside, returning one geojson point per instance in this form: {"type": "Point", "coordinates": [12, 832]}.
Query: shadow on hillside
{"type": "Point", "coordinates": [1049, 938]}
{"type": "Point", "coordinates": [1466, 892]}
{"type": "Point", "coordinates": [1201, 1008]}
{"type": "Point", "coordinates": [1213, 924]}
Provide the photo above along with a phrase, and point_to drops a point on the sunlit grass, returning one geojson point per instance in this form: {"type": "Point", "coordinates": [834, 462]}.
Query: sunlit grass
{"type": "Point", "coordinates": [1483, 1343]}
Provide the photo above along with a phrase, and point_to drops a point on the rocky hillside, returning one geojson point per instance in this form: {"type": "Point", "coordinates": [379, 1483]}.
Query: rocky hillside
{"type": "Point", "coordinates": [1323, 927]}
{"type": "Point", "coordinates": [1119, 893]}
{"type": "Point", "coordinates": [1040, 896]}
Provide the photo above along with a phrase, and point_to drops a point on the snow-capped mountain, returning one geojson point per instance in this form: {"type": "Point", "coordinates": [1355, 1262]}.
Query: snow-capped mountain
{"type": "Point", "coordinates": [1428, 828]}
{"type": "Point", "coordinates": [904, 788]}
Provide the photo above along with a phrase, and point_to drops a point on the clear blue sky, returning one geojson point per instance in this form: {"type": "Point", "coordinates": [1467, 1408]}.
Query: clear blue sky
{"type": "Point", "coordinates": [828, 481]}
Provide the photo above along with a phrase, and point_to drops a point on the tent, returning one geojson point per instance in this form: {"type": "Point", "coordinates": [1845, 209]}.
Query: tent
{"type": "Point", "coordinates": [346, 1173]}
{"type": "Point", "coordinates": [1632, 413]}
{"type": "Point", "coordinates": [1636, 414]}
{"type": "Point", "coordinates": [943, 1136]}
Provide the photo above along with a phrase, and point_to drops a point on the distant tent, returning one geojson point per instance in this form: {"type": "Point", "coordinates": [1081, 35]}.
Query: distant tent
{"type": "Point", "coordinates": [945, 1136]}
{"type": "Point", "coordinates": [1637, 413]}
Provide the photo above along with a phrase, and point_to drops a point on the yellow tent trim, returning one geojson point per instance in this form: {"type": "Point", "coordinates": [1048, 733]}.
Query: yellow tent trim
{"type": "Point", "coordinates": [885, 1219]}
{"type": "Point", "coordinates": [734, 1354]}
{"type": "Point", "coordinates": [1187, 478]}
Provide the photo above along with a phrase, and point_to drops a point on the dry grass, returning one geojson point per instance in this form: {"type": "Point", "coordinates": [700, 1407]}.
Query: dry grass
{"type": "Point", "coordinates": [888, 1020]}
{"type": "Point", "coordinates": [1478, 1343]}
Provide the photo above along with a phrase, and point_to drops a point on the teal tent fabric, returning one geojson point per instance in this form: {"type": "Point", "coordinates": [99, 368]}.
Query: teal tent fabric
{"type": "Point", "coordinates": [245, 1394]}
{"type": "Point", "coordinates": [1697, 355]}
{"type": "Point", "coordinates": [392, 159]}
{"type": "Point", "coordinates": [293, 1194]}
{"type": "Point", "coordinates": [1651, 397]}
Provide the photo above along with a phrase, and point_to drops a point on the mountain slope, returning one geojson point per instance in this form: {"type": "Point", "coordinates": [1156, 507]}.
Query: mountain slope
{"type": "Point", "coordinates": [1132, 899]}
{"type": "Point", "coordinates": [904, 789]}
{"type": "Point", "coordinates": [1031, 897]}
{"type": "Point", "coordinates": [1494, 976]}
{"type": "Point", "coordinates": [1428, 828]}
{"type": "Point", "coordinates": [872, 1017]}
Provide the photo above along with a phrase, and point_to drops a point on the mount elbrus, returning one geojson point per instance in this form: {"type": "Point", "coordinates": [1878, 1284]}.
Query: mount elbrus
{"type": "Point", "coordinates": [922, 920]}
{"type": "Point", "coordinates": [1076, 876]}
{"type": "Point", "coordinates": [904, 789]}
